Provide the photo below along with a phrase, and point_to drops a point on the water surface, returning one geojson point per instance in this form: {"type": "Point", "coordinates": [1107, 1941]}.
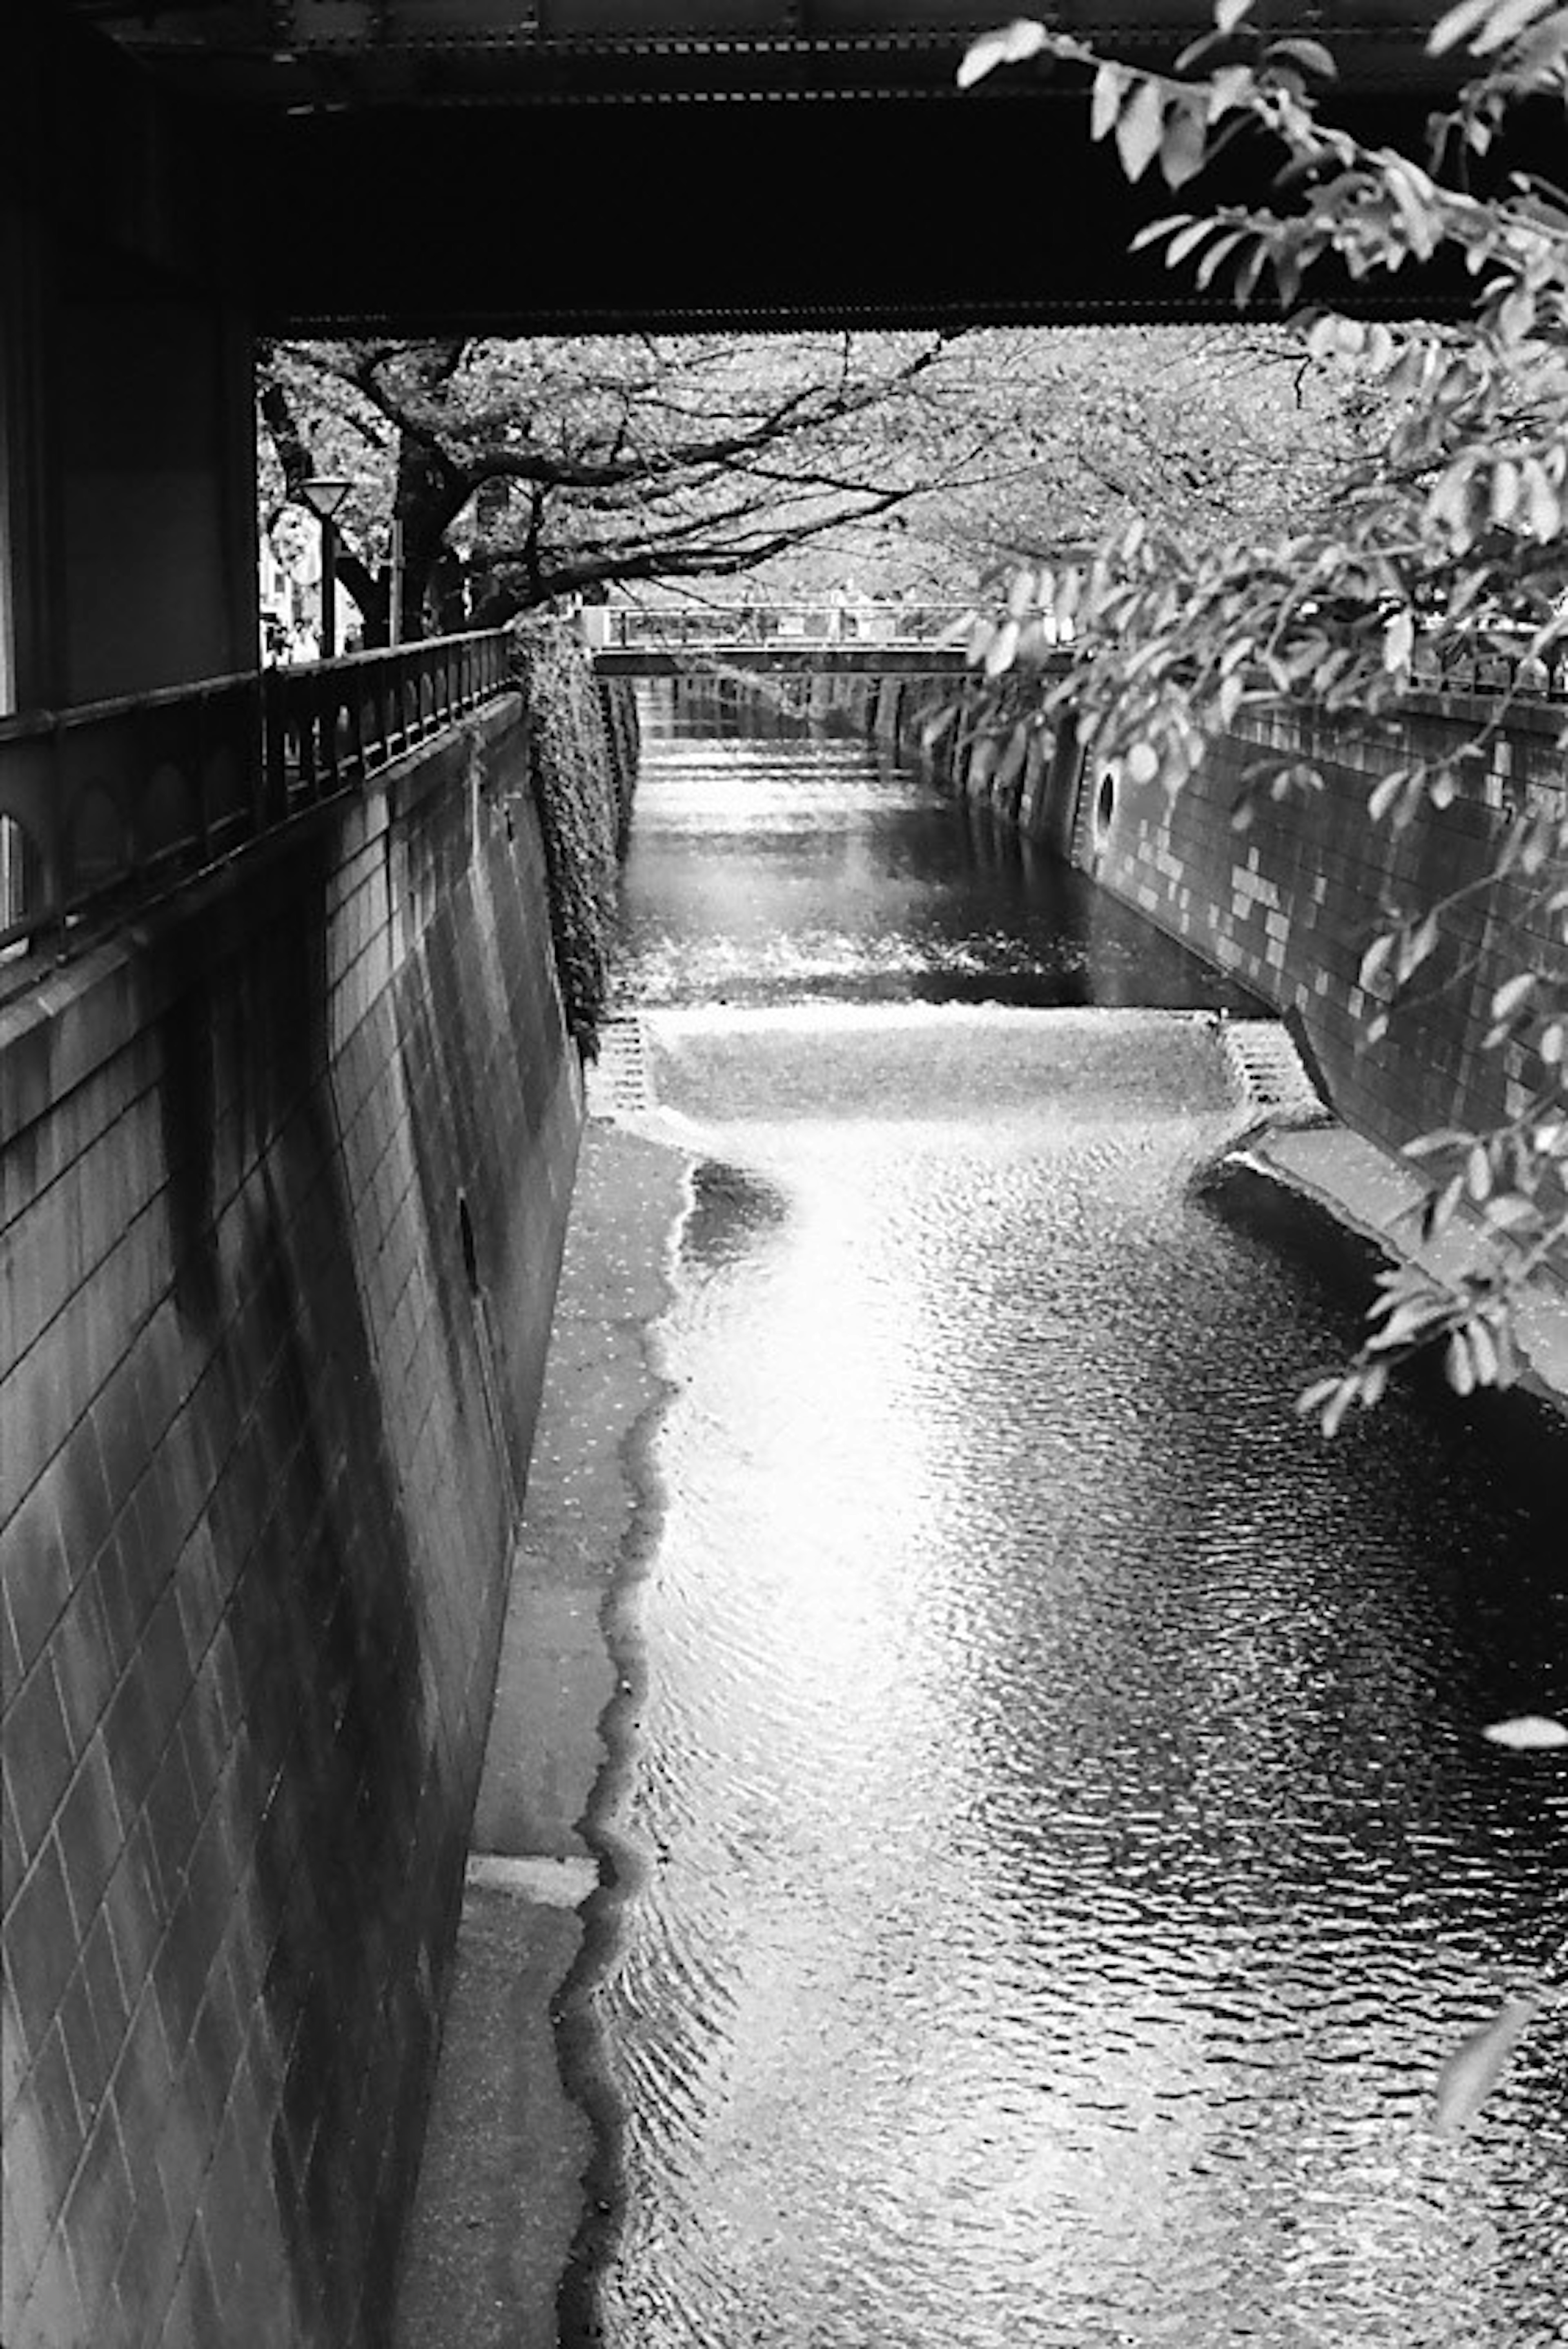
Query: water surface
{"type": "Point", "coordinates": [1070, 1845]}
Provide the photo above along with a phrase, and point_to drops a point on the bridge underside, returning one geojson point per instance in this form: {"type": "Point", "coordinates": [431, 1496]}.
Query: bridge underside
{"type": "Point", "coordinates": [479, 166]}
{"type": "Point", "coordinates": [848, 210]}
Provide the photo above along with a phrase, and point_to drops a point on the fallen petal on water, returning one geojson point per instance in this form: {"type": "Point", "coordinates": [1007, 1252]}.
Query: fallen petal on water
{"type": "Point", "coordinates": [1472, 2071]}
{"type": "Point", "coordinates": [1528, 1733]}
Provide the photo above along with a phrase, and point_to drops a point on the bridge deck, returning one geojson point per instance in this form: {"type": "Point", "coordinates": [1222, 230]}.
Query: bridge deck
{"type": "Point", "coordinates": [781, 660]}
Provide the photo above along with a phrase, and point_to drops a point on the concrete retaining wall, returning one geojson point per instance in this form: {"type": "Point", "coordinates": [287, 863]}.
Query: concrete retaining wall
{"type": "Point", "coordinates": [1289, 905]}
{"type": "Point", "coordinates": [283, 1185]}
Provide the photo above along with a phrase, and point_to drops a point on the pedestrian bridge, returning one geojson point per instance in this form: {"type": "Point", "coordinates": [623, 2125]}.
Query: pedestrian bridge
{"type": "Point", "coordinates": [834, 636]}
{"type": "Point", "coordinates": [861, 637]}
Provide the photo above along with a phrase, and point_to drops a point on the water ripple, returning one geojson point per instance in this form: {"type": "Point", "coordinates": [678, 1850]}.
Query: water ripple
{"type": "Point", "coordinates": [1072, 1852]}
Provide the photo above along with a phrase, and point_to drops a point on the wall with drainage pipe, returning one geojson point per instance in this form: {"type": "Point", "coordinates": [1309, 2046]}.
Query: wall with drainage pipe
{"type": "Point", "coordinates": [1289, 905]}
{"type": "Point", "coordinates": [1290, 902]}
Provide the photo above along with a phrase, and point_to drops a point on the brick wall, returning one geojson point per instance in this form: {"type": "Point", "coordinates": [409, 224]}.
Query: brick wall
{"type": "Point", "coordinates": [283, 1185]}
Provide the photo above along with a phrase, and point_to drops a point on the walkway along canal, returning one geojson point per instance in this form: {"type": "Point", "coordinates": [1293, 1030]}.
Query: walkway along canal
{"type": "Point", "coordinates": [1048, 1842]}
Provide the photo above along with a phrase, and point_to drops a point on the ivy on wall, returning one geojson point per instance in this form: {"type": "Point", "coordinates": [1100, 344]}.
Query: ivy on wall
{"type": "Point", "coordinates": [582, 763]}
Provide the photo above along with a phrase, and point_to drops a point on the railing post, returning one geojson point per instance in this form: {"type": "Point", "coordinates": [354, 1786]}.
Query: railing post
{"type": "Point", "coordinates": [60, 841]}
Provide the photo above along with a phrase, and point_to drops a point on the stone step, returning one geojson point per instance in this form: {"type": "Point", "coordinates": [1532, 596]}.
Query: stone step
{"type": "Point", "coordinates": [1269, 1072]}
{"type": "Point", "coordinates": [619, 1082]}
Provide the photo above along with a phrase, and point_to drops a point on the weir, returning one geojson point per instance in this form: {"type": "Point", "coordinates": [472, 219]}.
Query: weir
{"type": "Point", "coordinates": [1287, 904]}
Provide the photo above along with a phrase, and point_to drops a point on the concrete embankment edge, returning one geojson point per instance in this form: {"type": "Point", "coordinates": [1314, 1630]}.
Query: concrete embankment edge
{"type": "Point", "coordinates": [520, 2191]}
{"type": "Point", "coordinates": [1374, 1195]}
{"type": "Point", "coordinates": [519, 2163]}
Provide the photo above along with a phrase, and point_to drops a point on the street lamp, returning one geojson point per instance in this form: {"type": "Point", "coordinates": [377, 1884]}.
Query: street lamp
{"type": "Point", "coordinates": [324, 495]}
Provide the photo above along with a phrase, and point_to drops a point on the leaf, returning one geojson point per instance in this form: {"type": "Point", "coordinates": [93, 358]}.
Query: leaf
{"type": "Point", "coordinates": [1312, 1398]}
{"type": "Point", "coordinates": [1218, 253]}
{"type": "Point", "coordinates": [1011, 764]}
{"type": "Point", "coordinates": [1543, 505]}
{"type": "Point", "coordinates": [1528, 1732]}
{"type": "Point", "coordinates": [1514, 992]}
{"type": "Point", "coordinates": [1398, 641]}
{"type": "Point", "coordinates": [1196, 49]}
{"type": "Point", "coordinates": [1387, 792]}
{"type": "Point", "coordinates": [1546, 43]}
{"type": "Point", "coordinates": [1228, 14]}
{"type": "Point", "coordinates": [1228, 88]}
{"type": "Point", "coordinates": [1310, 55]}
{"type": "Point", "coordinates": [1459, 1368]}
{"type": "Point", "coordinates": [1140, 127]}
{"type": "Point", "coordinates": [1414, 947]}
{"type": "Point", "coordinates": [1153, 231]}
{"type": "Point", "coordinates": [1451, 29]}
{"type": "Point", "coordinates": [1338, 1404]}
{"type": "Point", "coordinates": [1483, 1354]}
{"type": "Point", "coordinates": [1375, 960]}
{"type": "Point", "coordinates": [1441, 1207]}
{"type": "Point", "coordinates": [1184, 149]}
{"type": "Point", "coordinates": [1448, 1137]}
{"type": "Point", "coordinates": [1000, 651]}
{"type": "Point", "coordinates": [1110, 84]}
{"type": "Point", "coordinates": [1457, 25]}
{"type": "Point", "coordinates": [1505, 489]}
{"type": "Point", "coordinates": [1503, 22]}
{"type": "Point", "coordinates": [1474, 2069]}
{"type": "Point", "coordinates": [1009, 46]}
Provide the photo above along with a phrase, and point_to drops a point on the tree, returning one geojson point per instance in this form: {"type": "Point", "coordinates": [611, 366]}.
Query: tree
{"type": "Point", "coordinates": [1455, 526]}
{"type": "Point", "coordinates": [523, 472]}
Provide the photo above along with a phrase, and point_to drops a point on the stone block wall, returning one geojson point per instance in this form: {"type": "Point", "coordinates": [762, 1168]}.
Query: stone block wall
{"type": "Point", "coordinates": [1290, 904]}
{"type": "Point", "coordinates": [284, 1178]}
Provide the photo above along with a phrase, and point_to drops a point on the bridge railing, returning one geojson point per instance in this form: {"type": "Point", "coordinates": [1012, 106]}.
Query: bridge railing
{"type": "Point", "coordinates": [713, 627]}
{"type": "Point", "coordinates": [1493, 667]}
{"type": "Point", "coordinates": [104, 806]}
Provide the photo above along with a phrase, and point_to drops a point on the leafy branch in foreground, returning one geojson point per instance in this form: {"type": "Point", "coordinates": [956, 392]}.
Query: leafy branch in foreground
{"type": "Point", "coordinates": [1452, 540]}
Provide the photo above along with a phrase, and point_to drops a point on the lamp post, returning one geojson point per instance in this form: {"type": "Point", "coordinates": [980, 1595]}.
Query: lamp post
{"type": "Point", "coordinates": [324, 495]}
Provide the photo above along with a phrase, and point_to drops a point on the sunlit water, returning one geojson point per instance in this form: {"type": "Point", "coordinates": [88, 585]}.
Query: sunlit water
{"type": "Point", "coordinates": [1071, 1849]}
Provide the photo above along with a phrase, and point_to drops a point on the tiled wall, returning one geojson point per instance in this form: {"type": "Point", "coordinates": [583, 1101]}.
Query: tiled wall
{"type": "Point", "coordinates": [283, 1185]}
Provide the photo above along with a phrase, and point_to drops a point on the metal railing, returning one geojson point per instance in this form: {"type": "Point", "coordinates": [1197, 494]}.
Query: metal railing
{"type": "Point", "coordinates": [104, 806]}
{"type": "Point", "coordinates": [716, 627]}
{"type": "Point", "coordinates": [1494, 667]}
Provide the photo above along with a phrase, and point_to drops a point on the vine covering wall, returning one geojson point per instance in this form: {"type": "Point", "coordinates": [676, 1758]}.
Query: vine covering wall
{"type": "Point", "coordinates": [582, 764]}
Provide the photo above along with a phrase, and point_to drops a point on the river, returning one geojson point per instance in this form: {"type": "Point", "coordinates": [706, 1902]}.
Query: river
{"type": "Point", "coordinates": [1068, 1849]}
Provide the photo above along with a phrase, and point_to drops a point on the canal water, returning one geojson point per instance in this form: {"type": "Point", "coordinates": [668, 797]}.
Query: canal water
{"type": "Point", "coordinates": [1065, 1849]}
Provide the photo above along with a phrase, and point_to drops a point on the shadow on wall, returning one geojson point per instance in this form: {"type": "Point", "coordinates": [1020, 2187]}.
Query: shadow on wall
{"type": "Point", "coordinates": [267, 1416]}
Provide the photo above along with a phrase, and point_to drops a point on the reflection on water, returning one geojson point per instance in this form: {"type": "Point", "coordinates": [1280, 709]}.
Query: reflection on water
{"type": "Point", "coordinates": [1071, 1846]}
{"type": "Point", "coordinates": [776, 870]}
